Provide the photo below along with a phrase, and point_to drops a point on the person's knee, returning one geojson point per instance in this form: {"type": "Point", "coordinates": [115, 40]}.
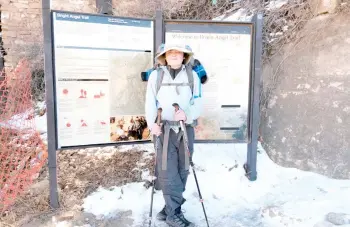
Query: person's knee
{"type": "Point", "coordinates": [169, 185]}
{"type": "Point", "coordinates": [168, 177]}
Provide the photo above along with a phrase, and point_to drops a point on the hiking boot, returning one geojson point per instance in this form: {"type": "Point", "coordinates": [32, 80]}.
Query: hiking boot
{"type": "Point", "coordinates": [178, 220]}
{"type": "Point", "coordinates": [161, 216]}
{"type": "Point", "coordinates": [181, 214]}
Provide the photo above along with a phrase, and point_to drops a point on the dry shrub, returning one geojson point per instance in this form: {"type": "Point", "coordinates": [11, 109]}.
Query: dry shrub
{"type": "Point", "coordinates": [34, 53]}
{"type": "Point", "coordinates": [172, 9]}
{"type": "Point", "coordinates": [199, 10]}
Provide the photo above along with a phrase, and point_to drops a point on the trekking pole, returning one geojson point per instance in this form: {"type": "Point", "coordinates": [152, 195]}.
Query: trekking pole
{"type": "Point", "coordinates": [159, 116]}
{"type": "Point", "coordinates": [183, 128]}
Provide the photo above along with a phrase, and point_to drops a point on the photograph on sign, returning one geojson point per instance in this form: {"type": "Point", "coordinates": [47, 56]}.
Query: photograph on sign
{"type": "Point", "coordinates": [225, 51]}
{"type": "Point", "coordinates": [126, 128]}
{"type": "Point", "coordinates": [97, 63]}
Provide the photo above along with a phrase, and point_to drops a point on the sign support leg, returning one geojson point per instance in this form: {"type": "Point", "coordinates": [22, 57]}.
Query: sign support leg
{"type": "Point", "coordinates": [50, 104]}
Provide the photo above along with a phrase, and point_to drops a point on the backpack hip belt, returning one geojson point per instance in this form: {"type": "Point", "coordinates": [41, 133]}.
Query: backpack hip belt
{"type": "Point", "coordinates": [167, 126]}
{"type": "Point", "coordinates": [177, 124]}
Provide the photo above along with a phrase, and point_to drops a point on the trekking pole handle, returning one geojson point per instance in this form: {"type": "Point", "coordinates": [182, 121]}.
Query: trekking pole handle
{"type": "Point", "coordinates": [177, 107]}
{"type": "Point", "coordinates": [183, 128]}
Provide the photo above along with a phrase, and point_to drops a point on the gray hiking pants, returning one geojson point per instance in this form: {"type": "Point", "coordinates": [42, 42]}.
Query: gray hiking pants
{"type": "Point", "coordinates": [172, 181]}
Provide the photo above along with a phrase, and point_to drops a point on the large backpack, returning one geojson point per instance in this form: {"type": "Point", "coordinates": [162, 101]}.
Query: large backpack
{"type": "Point", "coordinates": [194, 64]}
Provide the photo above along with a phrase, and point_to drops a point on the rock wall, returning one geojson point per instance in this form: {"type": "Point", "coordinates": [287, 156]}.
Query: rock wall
{"type": "Point", "coordinates": [324, 6]}
{"type": "Point", "coordinates": [306, 124]}
{"type": "Point", "coordinates": [22, 25]}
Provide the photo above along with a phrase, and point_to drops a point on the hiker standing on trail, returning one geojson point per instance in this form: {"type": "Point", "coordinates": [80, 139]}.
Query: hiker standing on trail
{"type": "Point", "coordinates": [170, 84]}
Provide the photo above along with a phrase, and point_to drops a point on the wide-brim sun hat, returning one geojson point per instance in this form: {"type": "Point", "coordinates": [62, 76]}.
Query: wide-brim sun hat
{"type": "Point", "coordinates": [163, 48]}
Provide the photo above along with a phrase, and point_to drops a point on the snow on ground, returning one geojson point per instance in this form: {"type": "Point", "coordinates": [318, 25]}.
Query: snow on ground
{"type": "Point", "coordinates": [41, 126]}
{"type": "Point", "coordinates": [24, 122]}
{"type": "Point", "coordinates": [276, 4]}
{"type": "Point", "coordinates": [239, 15]}
{"type": "Point", "coordinates": [279, 197]}
{"type": "Point", "coordinates": [244, 15]}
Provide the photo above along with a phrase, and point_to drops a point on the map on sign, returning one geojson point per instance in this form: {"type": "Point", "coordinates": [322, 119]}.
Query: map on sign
{"type": "Point", "coordinates": [129, 91]}
{"type": "Point", "coordinates": [97, 62]}
{"type": "Point", "coordinates": [225, 51]}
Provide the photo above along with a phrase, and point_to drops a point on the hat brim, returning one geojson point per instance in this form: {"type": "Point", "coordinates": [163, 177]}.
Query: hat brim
{"type": "Point", "coordinates": [160, 57]}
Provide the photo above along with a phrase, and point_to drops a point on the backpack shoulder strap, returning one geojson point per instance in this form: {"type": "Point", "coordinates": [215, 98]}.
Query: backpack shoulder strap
{"type": "Point", "coordinates": [190, 76]}
{"type": "Point", "coordinates": [160, 75]}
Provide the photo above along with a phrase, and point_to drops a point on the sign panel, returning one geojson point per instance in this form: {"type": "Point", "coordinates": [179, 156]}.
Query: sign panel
{"type": "Point", "coordinates": [225, 51]}
{"type": "Point", "coordinates": [97, 63]}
